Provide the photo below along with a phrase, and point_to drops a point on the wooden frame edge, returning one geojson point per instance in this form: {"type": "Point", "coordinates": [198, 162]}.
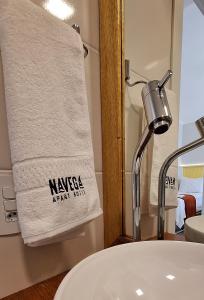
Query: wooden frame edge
{"type": "Point", "coordinates": [112, 117]}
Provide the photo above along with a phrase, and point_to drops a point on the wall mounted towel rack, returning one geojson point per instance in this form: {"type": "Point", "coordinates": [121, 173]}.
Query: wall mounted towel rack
{"type": "Point", "coordinates": [77, 28]}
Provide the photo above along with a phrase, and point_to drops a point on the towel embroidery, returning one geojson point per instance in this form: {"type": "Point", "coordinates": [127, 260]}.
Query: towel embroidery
{"type": "Point", "coordinates": [170, 182]}
{"type": "Point", "coordinates": [66, 187]}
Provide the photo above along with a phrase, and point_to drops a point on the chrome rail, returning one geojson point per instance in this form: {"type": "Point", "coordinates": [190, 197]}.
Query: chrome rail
{"type": "Point", "coordinates": [162, 178]}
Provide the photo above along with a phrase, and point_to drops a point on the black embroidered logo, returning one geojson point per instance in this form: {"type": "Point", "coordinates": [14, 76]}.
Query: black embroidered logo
{"type": "Point", "coordinates": [66, 187]}
{"type": "Point", "coordinates": [170, 182]}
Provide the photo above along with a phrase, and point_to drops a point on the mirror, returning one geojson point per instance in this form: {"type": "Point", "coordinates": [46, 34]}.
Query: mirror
{"type": "Point", "coordinates": [158, 36]}
{"type": "Point", "coordinates": [191, 165]}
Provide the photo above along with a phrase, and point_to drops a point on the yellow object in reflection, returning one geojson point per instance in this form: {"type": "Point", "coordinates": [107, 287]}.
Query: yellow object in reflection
{"type": "Point", "coordinates": [193, 171]}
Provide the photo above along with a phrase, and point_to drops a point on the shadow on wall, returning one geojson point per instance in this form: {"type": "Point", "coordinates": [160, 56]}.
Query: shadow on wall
{"type": "Point", "coordinates": [32, 265]}
{"type": "Point", "coordinates": [5, 158]}
{"type": "Point", "coordinates": [55, 258]}
{"type": "Point", "coordinates": [133, 128]}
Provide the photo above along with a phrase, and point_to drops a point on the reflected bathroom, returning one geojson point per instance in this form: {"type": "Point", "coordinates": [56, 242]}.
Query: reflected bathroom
{"type": "Point", "coordinates": [184, 179]}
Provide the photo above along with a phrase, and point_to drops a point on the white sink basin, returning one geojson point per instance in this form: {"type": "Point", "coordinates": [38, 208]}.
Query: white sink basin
{"type": "Point", "coordinates": [156, 270]}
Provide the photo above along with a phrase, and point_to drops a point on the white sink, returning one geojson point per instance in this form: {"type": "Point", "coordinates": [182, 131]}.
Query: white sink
{"type": "Point", "coordinates": [156, 270]}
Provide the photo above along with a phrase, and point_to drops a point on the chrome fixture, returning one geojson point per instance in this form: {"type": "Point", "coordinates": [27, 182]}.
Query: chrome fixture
{"type": "Point", "coordinates": [163, 171]}
{"type": "Point", "coordinates": [156, 105]}
{"type": "Point", "coordinates": [127, 75]}
{"type": "Point", "coordinates": [200, 5]}
{"type": "Point", "coordinates": [158, 121]}
{"type": "Point", "coordinates": [77, 28]}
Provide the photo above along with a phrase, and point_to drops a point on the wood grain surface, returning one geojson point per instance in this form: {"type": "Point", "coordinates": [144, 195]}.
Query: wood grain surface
{"type": "Point", "coordinates": [42, 291]}
{"type": "Point", "coordinates": [112, 111]}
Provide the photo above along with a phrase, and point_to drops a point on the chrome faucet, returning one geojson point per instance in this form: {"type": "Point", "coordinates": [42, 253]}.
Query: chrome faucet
{"type": "Point", "coordinates": [163, 171]}
{"type": "Point", "coordinates": [159, 120]}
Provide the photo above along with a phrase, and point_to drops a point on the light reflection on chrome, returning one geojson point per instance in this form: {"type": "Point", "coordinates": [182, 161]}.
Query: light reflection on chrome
{"type": "Point", "coordinates": [59, 8]}
{"type": "Point", "coordinates": [170, 277]}
{"type": "Point", "coordinates": [139, 292]}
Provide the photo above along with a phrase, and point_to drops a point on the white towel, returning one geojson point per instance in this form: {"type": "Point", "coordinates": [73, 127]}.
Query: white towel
{"type": "Point", "coordinates": [48, 121]}
{"type": "Point", "coordinates": [159, 148]}
{"type": "Point", "coordinates": [180, 213]}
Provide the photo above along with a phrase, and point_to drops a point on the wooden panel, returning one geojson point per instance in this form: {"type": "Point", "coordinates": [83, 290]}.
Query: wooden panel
{"type": "Point", "coordinates": [42, 291]}
{"type": "Point", "coordinates": [111, 98]}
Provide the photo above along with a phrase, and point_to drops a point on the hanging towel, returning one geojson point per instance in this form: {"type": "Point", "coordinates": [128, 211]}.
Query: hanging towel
{"type": "Point", "coordinates": [48, 122]}
{"type": "Point", "coordinates": [159, 148]}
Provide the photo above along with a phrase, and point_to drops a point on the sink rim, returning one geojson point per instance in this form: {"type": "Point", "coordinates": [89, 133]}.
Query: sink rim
{"type": "Point", "coordinates": [93, 256]}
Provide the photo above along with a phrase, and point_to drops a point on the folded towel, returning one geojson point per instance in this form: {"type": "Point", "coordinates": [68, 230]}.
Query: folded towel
{"type": "Point", "coordinates": [180, 213]}
{"type": "Point", "coordinates": [48, 121]}
{"type": "Point", "coordinates": [159, 148]}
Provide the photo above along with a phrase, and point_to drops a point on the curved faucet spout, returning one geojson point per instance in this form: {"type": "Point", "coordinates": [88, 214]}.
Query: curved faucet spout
{"type": "Point", "coordinates": [162, 178]}
{"type": "Point", "coordinates": [136, 166]}
{"type": "Point", "coordinates": [159, 120]}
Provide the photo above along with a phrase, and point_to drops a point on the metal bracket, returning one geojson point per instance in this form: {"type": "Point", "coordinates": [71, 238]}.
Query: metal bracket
{"type": "Point", "coordinates": [77, 28]}
{"type": "Point", "coordinates": [127, 75]}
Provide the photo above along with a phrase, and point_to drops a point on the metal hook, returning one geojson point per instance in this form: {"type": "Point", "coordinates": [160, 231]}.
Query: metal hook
{"type": "Point", "coordinates": [164, 79]}
{"type": "Point", "coordinates": [77, 28]}
{"type": "Point", "coordinates": [127, 75]}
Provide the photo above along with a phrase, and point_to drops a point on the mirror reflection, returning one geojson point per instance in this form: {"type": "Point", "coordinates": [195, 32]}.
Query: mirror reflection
{"type": "Point", "coordinates": [168, 39]}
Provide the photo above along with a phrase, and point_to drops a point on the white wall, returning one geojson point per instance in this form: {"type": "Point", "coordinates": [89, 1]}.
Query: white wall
{"type": "Point", "coordinates": [192, 66]}
{"type": "Point", "coordinates": [192, 81]}
{"type": "Point", "coordinates": [21, 266]}
{"type": "Point", "coordinates": [189, 134]}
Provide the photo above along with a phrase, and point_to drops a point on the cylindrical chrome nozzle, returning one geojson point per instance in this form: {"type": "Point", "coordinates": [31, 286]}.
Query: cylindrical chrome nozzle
{"type": "Point", "coordinates": [161, 126]}
{"type": "Point", "coordinates": [156, 106]}
{"type": "Point", "coordinates": [200, 125]}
